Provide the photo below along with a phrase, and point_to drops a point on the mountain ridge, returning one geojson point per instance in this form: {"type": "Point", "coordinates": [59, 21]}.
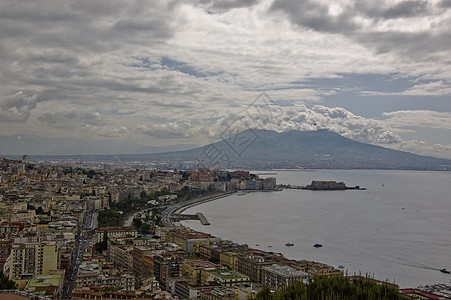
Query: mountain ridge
{"type": "Point", "coordinates": [267, 149]}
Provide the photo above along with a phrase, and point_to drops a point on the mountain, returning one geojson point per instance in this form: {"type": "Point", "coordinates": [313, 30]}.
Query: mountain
{"type": "Point", "coordinates": [266, 149]}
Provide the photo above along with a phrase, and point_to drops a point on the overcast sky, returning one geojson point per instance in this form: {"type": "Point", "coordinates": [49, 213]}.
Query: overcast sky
{"type": "Point", "coordinates": [181, 72]}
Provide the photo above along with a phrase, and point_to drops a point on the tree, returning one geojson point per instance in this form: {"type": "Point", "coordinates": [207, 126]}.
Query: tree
{"type": "Point", "coordinates": [137, 223]}
{"type": "Point", "coordinates": [5, 283]}
{"type": "Point", "coordinates": [333, 288]}
{"type": "Point", "coordinates": [103, 245]}
{"type": "Point", "coordinates": [40, 211]}
{"type": "Point", "coordinates": [145, 228]}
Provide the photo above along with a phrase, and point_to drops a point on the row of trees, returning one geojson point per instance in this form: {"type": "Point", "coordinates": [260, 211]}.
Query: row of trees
{"type": "Point", "coordinates": [333, 288]}
{"type": "Point", "coordinates": [118, 211]}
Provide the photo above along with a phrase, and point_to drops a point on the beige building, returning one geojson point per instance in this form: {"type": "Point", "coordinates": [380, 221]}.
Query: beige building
{"type": "Point", "coordinates": [187, 241]}
{"type": "Point", "coordinates": [227, 278]}
{"type": "Point", "coordinates": [229, 259]}
{"type": "Point", "coordinates": [278, 277]}
{"type": "Point", "coordinates": [28, 259]}
{"type": "Point", "coordinates": [195, 270]}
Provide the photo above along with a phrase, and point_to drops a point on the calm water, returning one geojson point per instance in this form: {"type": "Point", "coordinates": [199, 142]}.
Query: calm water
{"type": "Point", "coordinates": [398, 229]}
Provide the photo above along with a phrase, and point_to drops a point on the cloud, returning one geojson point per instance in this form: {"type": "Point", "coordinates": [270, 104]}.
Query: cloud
{"type": "Point", "coordinates": [158, 71]}
{"type": "Point", "coordinates": [388, 137]}
{"type": "Point", "coordinates": [418, 118]}
{"type": "Point", "coordinates": [424, 148]}
{"type": "Point", "coordinates": [413, 31]}
{"type": "Point", "coordinates": [316, 15]}
{"type": "Point", "coordinates": [71, 119]}
{"type": "Point", "coordinates": [393, 10]}
{"type": "Point", "coordinates": [17, 107]}
{"type": "Point", "coordinates": [224, 5]}
{"type": "Point", "coordinates": [179, 129]}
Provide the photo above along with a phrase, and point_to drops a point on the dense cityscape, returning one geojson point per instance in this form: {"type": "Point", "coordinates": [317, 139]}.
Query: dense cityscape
{"type": "Point", "coordinates": [106, 232]}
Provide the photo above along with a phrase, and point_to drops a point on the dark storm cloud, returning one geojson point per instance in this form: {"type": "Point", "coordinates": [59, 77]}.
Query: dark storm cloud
{"type": "Point", "coordinates": [71, 119]}
{"type": "Point", "coordinates": [83, 26]}
{"type": "Point", "coordinates": [445, 4]}
{"type": "Point", "coordinates": [150, 69]}
{"type": "Point", "coordinates": [223, 5]}
{"type": "Point", "coordinates": [423, 46]}
{"type": "Point", "coordinates": [62, 52]}
{"type": "Point", "coordinates": [404, 9]}
{"type": "Point", "coordinates": [314, 15]}
{"type": "Point", "coordinates": [17, 107]}
{"type": "Point", "coordinates": [419, 44]}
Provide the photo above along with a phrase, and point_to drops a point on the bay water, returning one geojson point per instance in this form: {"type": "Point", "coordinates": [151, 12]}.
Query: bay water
{"type": "Point", "coordinates": [398, 229]}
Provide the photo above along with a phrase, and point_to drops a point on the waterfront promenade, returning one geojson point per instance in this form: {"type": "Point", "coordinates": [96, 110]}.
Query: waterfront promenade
{"type": "Point", "coordinates": [177, 209]}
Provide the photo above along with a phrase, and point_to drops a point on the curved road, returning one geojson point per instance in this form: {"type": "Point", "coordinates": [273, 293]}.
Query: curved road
{"type": "Point", "coordinates": [179, 207]}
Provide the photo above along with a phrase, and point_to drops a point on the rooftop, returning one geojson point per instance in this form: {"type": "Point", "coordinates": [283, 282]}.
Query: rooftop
{"type": "Point", "coordinates": [286, 271]}
{"type": "Point", "coordinates": [227, 274]}
{"type": "Point", "coordinates": [201, 264]}
{"type": "Point", "coordinates": [193, 235]}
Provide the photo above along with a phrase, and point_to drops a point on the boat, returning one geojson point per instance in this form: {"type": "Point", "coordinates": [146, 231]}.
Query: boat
{"type": "Point", "coordinates": [289, 244]}
{"type": "Point", "coordinates": [445, 271]}
{"type": "Point", "coordinates": [340, 267]}
{"type": "Point", "coordinates": [317, 245]}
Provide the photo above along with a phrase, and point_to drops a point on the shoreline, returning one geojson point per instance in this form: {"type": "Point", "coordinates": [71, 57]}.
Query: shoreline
{"type": "Point", "coordinates": [181, 207]}
{"type": "Point", "coordinates": [216, 197]}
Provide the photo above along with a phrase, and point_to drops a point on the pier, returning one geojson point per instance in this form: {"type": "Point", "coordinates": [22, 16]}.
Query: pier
{"type": "Point", "coordinates": [198, 216]}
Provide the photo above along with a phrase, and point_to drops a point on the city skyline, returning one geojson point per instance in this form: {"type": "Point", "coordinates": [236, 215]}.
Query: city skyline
{"type": "Point", "coordinates": [138, 73]}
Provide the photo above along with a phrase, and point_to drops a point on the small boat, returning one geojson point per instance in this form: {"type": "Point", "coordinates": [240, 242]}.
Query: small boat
{"type": "Point", "coordinates": [289, 244]}
{"type": "Point", "coordinates": [445, 271]}
{"type": "Point", "coordinates": [340, 267]}
{"type": "Point", "coordinates": [317, 245]}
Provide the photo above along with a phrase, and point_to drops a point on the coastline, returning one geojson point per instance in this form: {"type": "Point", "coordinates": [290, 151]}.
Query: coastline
{"type": "Point", "coordinates": [212, 198]}
{"type": "Point", "coordinates": [181, 207]}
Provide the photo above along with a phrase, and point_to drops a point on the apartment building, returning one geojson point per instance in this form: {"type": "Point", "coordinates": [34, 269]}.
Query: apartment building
{"type": "Point", "coordinates": [33, 258]}
{"type": "Point", "coordinates": [278, 277]}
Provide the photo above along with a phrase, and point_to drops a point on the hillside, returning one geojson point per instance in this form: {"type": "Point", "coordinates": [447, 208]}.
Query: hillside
{"type": "Point", "coordinates": [265, 149]}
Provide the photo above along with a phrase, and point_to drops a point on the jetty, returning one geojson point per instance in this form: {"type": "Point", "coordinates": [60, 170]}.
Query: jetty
{"type": "Point", "coordinates": [198, 216]}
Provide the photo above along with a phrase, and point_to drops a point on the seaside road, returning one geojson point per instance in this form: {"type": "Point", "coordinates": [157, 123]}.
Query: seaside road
{"type": "Point", "coordinates": [180, 207]}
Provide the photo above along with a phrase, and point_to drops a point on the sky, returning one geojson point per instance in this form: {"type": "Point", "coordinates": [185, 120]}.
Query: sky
{"type": "Point", "coordinates": [124, 75]}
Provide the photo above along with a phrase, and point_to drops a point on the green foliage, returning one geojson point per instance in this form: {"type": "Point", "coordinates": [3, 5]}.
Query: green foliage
{"type": "Point", "coordinates": [103, 245]}
{"type": "Point", "coordinates": [109, 217]}
{"type": "Point", "coordinates": [145, 228]}
{"type": "Point", "coordinates": [137, 223]}
{"type": "Point", "coordinates": [40, 211]}
{"type": "Point", "coordinates": [91, 174]}
{"type": "Point", "coordinates": [333, 288]}
{"type": "Point", "coordinates": [5, 283]}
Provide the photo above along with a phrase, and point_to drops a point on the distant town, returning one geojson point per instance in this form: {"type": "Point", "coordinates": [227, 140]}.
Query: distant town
{"type": "Point", "coordinates": [71, 230]}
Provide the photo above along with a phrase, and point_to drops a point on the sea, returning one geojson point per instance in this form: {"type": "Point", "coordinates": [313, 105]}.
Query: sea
{"type": "Point", "coordinates": [397, 230]}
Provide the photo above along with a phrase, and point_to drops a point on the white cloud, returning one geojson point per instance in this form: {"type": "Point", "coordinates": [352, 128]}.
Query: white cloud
{"type": "Point", "coordinates": [17, 107]}
{"type": "Point", "coordinates": [388, 137]}
{"type": "Point", "coordinates": [418, 118]}
{"type": "Point", "coordinates": [156, 70]}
